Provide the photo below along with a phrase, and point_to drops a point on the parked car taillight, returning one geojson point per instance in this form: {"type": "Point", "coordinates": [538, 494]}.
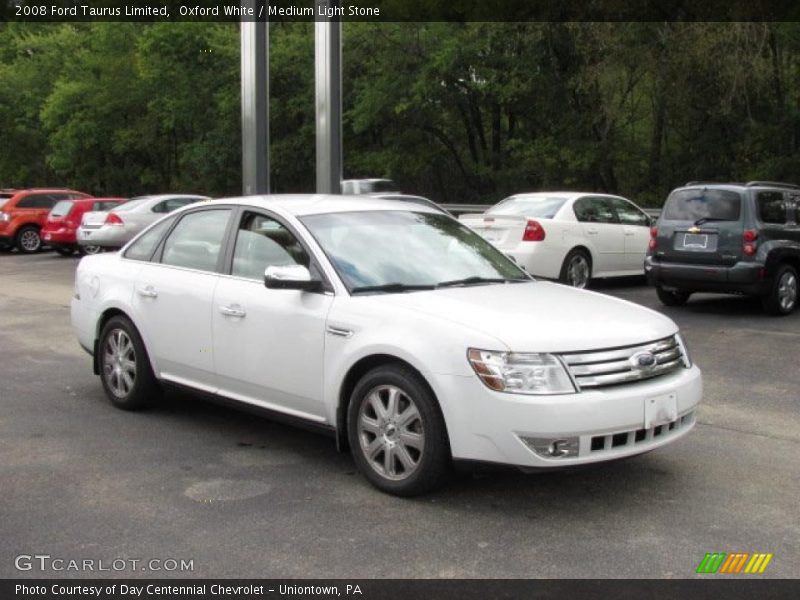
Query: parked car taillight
{"type": "Point", "coordinates": [113, 219]}
{"type": "Point", "coordinates": [5, 217]}
{"type": "Point", "coordinates": [534, 232]}
{"type": "Point", "coordinates": [653, 238]}
{"type": "Point", "coordinates": [749, 245]}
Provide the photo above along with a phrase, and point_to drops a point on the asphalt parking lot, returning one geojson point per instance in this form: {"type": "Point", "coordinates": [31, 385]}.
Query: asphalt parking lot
{"type": "Point", "coordinates": [245, 497]}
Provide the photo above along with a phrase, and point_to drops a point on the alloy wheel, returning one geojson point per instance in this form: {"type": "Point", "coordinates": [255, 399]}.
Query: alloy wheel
{"type": "Point", "coordinates": [578, 271]}
{"type": "Point", "coordinates": [390, 432]}
{"type": "Point", "coordinates": [30, 240]}
{"type": "Point", "coordinates": [119, 363]}
{"type": "Point", "coordinates": [787, 291]}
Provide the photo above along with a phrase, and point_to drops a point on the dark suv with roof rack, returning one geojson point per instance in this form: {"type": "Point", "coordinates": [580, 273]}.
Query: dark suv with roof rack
{"type": "Point", "coordinates": [740, 238]}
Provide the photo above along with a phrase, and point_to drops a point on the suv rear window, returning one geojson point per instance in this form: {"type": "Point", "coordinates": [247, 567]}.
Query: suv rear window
{"type": "Point", "coordinates": [695, 204]}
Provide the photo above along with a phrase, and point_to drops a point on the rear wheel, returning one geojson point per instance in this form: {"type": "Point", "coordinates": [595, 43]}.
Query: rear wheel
{"type": "Point", "coordinates": [577, 269]}
{"type": "Point", "coordinates": [28, 240]}
{"type": "Point", "coordinates": [125, 369]}
{"type": "Point", "coordinates": [89, 250]}
{"type": "Point", "coordinates": [672, 297]}
{"type": "Point", "coordinates": [782, 298]}
{"type": "Point", "coordinates": [397, 433]}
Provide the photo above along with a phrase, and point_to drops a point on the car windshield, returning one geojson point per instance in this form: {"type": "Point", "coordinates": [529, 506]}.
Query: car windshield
{"type": "Point", "coordinates": [702, 204]}
{"type": "Point", "coordinates": [61, 208]}
{"type": "Point", "coordinates": [543, 207]}
{"type": "Point", "coordinates": [398, 250]}
{"type": "Point", "coordinates": [129, 205]}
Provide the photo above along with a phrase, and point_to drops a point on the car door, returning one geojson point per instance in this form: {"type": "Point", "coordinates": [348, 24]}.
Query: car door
{"type": "Point", "coordinates": [173, 296]}
{"type": "Point", "coordinates": [636, 229]}
{"type": "Point", "coordinates": [602, 231]}
{"type": "Point", "coordinates": [269, 343]}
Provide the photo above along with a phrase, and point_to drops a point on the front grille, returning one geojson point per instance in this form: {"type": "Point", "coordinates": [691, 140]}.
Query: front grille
{"type": "Point", "coordinates": [628, 439]}
{"type": "Point", "coordinates": [600, 368]}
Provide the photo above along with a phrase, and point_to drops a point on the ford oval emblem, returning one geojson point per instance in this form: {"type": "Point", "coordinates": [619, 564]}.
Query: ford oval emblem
{"type": "Point", "coordinates": [643, 360]}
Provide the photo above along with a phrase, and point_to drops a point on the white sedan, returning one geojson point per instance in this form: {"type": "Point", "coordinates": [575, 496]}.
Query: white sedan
{"type": "Point", "coordinates": [569, 236]}
{"type": "Point", "coordinates": [392, 327]}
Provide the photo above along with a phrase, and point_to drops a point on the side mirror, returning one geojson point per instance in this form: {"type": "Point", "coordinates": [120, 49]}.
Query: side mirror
{"type": "Point", "coordinates": [290, 277]}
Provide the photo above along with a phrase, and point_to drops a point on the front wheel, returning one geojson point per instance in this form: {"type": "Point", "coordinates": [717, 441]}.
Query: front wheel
{"type": "Point", "coordinates": [577, 269]}
{"type": "Point", "coordinates": [125, 369]}
{"type": "Point", "coordinates": [782, 297]}
{"type": "Point", "coordinates": [672, 297]}
{"type": "Point", "coordinates": [28, 240]}
{"type": "Point", "coordinates": [397, 433]}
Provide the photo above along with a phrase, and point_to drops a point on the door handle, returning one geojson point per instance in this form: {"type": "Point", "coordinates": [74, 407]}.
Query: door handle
{"type": "Point", "coordinates": [148, 292]}
{"type": "Point", "coordinates": [629, 233]}
{"type": "Point", "coordinates": [592, 231]}
{"type": "Point", "coordinates": [234, 310]}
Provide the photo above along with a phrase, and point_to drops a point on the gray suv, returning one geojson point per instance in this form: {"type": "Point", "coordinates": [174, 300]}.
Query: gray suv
{"type": "Point", "coordinates": [740, 238]}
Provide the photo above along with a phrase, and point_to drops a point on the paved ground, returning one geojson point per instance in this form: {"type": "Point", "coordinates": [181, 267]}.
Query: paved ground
{"type": "Point", "coordinates": [243, 496]}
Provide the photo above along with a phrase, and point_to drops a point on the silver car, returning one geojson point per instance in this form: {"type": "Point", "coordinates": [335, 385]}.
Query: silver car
{"type": "Point", "coordinates": [116, 227]}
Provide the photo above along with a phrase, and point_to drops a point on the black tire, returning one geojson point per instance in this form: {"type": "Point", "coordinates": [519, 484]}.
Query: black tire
{"type": "Point", "coordinates": [781, 300]}
{"type": "Point", "coordinates": [672, 297]}
{"type": "Point", "coordinates": [28, 240]}
{"type": "Point", "coordinates": [432, 460]}
{"type": "Point", "coordinates": [140, 388]}
{"type": "Point", "coordinates": [576, 271]}
{"type": "Point", "coordinates": [64, 251]}
{"type": "Point", "coordinates": [84, 250]}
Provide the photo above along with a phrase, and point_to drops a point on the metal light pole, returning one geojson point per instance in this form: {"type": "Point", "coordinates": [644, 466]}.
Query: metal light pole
{"type": "Point", "coordinates": [255, 103]}
{"type": "Point", "coordinates": [328, 85]}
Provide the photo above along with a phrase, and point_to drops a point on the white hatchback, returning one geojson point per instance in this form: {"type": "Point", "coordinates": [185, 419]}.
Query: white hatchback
{"type": "Point", "coordinates": [392, 327]}
{"type": "Point", "coordinates": [569, 236]}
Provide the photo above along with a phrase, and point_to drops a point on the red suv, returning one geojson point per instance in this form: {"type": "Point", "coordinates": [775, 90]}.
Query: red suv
{"type": "Point", "coordinates": [60, 229]}
{"type": "Point", "coordinates": [24, 212]}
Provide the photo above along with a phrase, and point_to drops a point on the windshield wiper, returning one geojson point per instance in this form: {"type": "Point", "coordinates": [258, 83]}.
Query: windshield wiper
{"type": "Point", "coordinates": [477, 281]}
{"type": "Point", "coordinates": [390, 287]}
{"type": "Point", "coordinates": [702, 220]}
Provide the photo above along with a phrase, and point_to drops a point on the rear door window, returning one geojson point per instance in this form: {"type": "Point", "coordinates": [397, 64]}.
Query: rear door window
{"type": "Point", "coordinates": [703, 204]}
{"type": "Point", "coordinates": [594, 210]}
{"type": "Point", "coordinates": [771, 207]}
{"type": "Point", "coordinates": [143, 247]}
{"type": "Point", "coordinates": [196, 241]}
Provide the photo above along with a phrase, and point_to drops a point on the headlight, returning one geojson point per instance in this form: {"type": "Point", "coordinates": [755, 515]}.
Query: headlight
{"type": "Point", "coordinates": [687, 361]}
{"type": "Point", "coordinates": [521, 373]}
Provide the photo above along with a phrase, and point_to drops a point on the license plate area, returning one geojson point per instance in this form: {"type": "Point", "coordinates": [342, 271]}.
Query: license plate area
{"type": "Point", "coordinates": [660, 410]}
{"type": "Point", "coordinates": [696, 242]}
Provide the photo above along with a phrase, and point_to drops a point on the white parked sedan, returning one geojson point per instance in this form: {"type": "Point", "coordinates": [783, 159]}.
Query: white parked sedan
{"type": "Point", "coordinates": [393, 327]}
{"type": "Point", "coordinates": [569, 236]}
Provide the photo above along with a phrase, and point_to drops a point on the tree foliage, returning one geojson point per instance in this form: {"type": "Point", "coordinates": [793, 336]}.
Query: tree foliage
{"type": "Point", "coordinates": [460, 112]}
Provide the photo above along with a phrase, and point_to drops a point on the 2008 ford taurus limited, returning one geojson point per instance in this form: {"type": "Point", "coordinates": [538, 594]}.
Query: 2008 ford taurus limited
{"type": "Point", "coordinates": [392, 326]}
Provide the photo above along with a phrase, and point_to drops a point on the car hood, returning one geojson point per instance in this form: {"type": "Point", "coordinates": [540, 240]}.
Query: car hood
{"type": "Point", "coordinates": [540, 316]}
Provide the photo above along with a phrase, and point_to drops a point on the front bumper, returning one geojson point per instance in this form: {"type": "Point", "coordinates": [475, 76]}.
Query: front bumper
{"type": "Point", "coordinates": [741, 278]}
{"type": "Point", "coordinates": [609, 423]}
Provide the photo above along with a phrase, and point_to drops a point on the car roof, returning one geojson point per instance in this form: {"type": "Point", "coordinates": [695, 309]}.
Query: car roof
{"type": "Point", "coordinates": [312, 204]}
{"type": "Point", "coordinates": [563, 194]}
{"type": "Point", "coordinates": [165, 196]}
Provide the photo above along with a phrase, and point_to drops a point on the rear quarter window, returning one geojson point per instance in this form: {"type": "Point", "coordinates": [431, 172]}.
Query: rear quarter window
{"type": "Point", "coordinates": [695, 204]}
{"type": "Point", "coordinates": [771, 207]}
{"type": "Point", "coordinates": [62, 208]}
